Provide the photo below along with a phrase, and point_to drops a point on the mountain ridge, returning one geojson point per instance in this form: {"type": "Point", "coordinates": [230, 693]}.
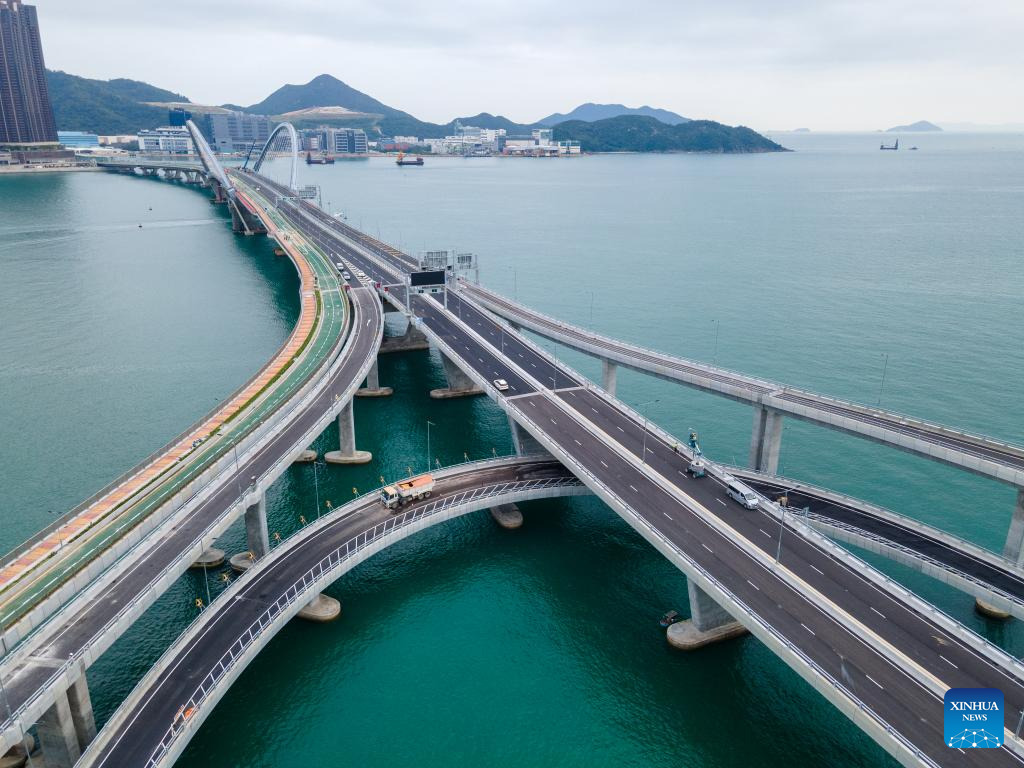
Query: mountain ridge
{"type": "Point", "coordinates": [120, 106]}
{"type": "Point", "coordinates": [919, 127]}
{"type": "Point", "coordinates": [591, 112]}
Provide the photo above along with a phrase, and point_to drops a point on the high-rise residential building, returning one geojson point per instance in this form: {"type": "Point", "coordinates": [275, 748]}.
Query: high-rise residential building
{"type": "Point", "coordinates": [237, 131]}
{"type": "Point", "coordinates": [26, 116]}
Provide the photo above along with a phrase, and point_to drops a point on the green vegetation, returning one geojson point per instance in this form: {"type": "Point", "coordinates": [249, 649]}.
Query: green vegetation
{"type": "Point", "coordinates": [634, 133]}
{"type": "Point", "coordinates": [115, 106]}
{"type": "Point", "coordinates": [105, 106]}
{"type": "Point", "coordinates": [591, 112]}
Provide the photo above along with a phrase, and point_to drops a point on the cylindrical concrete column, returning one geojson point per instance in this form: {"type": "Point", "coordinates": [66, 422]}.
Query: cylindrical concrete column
{"type": "Point", "coordinates": [257, 534]}
{"type": "Point", "coordinates": [771, 443]}
{"type": "Point", "coordinates": [757, 436]}
{"type": "Point", "coordinates": [765, 440]}
{"type": "Point", "coordinates": [459, 384]}
{"type": "Point", "coordinates": [524, 443]}
{"type": "Point", "coordinates": [609, 376]}
{"type": "Point", "coordinates": [708, 623]}
{"type": "Point", "coordinates": [82, 716]}
{"type": "Point", "coordinates": [373, 387]}
{"type": "Point", "coordinates": [347, 453]}
{"type": "Point", "coordinates": [57, 738]}
{"type": "Point", "coordinates": [1013, 549]}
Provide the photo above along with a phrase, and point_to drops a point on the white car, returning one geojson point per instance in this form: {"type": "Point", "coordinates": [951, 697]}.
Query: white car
{"type": "Point", "coordinates": [501, 385]}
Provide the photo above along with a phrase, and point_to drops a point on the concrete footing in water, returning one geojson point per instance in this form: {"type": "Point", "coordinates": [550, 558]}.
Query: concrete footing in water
{"type": "Point", "coordinates": [321, 608]}
{"type": "Point", "coordinates": [306, 456]}
{"type": "Point", "coordinates": [989, 611]}
{"type": "Point", "coordinates": [241, 562]}
{"type": "Point", "coordinates": [459, 384]}
{"type": "Point", "coordinates": [447, 393]}
{"type": "Point", "coordinates": [356, 457]}
{"type": "Point", "coordinates": [211, 558]}
{"type": "Point", "coordinates": [708, 623]}
{"type": "Point", "coordinates": [685, 636]}
{"type": "Point", "coordinates": [507, 516]}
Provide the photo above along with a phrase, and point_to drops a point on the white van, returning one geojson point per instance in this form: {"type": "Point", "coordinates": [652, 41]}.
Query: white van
{"type": "Point", "coordinates": [741, 493]}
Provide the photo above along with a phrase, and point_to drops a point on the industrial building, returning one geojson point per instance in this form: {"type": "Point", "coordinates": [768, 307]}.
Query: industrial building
{"type": "Point", "coordinates": [78, 139]}
{"type": "Point", "coordinates": [237, 131]}
{"type": "Point", "coordinates": [335, 141]}
{"type": "Point", "coordinates": [168, 139]}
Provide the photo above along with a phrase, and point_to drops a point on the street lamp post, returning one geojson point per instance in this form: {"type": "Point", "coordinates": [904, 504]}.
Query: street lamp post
{"type": "Point", "coordinates": [60, 533]}
{"type": "Point", "coordinates": [885, 367]}
{"type": "Point", "coordinates": [782, 527]}
{"type": "Point", "coordinates": [429, 425]}
{"type": "Point", "coordinates": [316, 489]}
{"type": "Point", "coordinates": [643, 456]}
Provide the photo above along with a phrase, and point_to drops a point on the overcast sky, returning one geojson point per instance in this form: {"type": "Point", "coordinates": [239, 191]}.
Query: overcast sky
{"type": "Point", "coordinates": [769, 64]}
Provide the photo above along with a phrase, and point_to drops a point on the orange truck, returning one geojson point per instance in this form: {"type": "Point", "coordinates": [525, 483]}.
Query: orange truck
{"type": "Point", "coordinates": [413, 489]}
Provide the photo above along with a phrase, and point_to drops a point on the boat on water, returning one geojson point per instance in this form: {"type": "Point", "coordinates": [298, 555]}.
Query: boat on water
{"type": "Point", "coordinates": [670, 618]}
{"type": "Point", "coordinates": [319, 159]}
{"type": "Point", "coordinates": [402, 161]}
{"type": "Point", "coordinates": [895, 146]}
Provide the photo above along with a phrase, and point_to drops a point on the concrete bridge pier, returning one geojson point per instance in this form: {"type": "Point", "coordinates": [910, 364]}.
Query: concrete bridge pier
{"type": "Point", "coordinates": [219, 195]}
{"type": "Point", "coordinates": [257, 535]}
{"type": "Point", "coordinates": [765, 440]}
{"type": "Point", "coordinates": [524, 443]}
{"type": "Point", "coordinates": [507, 516]}
{"type": "Point", "coordinates": [1013, 550]}
{"type": "Point", "coordinates": [459, 384]}
{"type": "Point", "coordinates": [322, 608]}
{"type": "Point", "coordinates": [411, 340]}
{"type": "Point", "coordinates": [243, 222]}
{"type": "Point", "coordinates": [67, 727]}
{"type": "Point", "coordinates": [609, 376]}
{"type": "Point", "coordinates": [373, 387]}
{"type": "Point", "coordinates": [347, 453]}
{"type": "Point", "coordinates": [708, 623]}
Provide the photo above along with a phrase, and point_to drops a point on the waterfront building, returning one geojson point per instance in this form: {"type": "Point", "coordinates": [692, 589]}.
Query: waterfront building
{"type": "Point", "coordinates": [78, 139]}
{"type": "Point", "coordinates": [237, 131]}
{"type": "Point", "coordinates": [169, 139]}
{"type": "Point", "coordinates": [122, 139]}
{"type": "Point", "coordinates": [335, 141]}
{"type": "Point", "coordinates": [26, 115]}
{"type": "Point", "coordinates": [469, 140]}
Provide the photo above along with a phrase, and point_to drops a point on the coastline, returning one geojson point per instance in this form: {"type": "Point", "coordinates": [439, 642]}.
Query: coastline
{"type": "Point", "coordinates": [17, 169]}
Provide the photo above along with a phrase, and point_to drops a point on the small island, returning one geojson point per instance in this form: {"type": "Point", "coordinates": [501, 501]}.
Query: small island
{"type": "Point", "coordinates": [920, 126]}
{"type": "Point", "coordinates": [636, 133]}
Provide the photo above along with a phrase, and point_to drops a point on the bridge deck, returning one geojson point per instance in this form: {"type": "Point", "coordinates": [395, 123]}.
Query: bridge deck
{"type": "Point", "coordinates": [855, 632]}
{"type": "Point", "coordinates": [976, 453]}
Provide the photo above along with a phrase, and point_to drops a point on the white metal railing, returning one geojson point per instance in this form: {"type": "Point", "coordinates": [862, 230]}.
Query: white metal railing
{"type": "Point", "coordinates": [528, 313]}
{"type": "Point", "coordinates": [854, 531]}
{"type": "Point", "coordinates": [925, 609]}
{"type": "Point", "coordinates": [563, 329]}
{"type": "Point", "coordinates": [752, 617]}
{"type": "Point", "coordinates": [333, 561]}
{"type": "Point", "coordinates": [255, 437]}
{"type": "Point", "coordinates": [895, 589]}
{"type": "Point", "coordinates": [970, 549]}
{"type": "Point", "coordinates": [5, 559]}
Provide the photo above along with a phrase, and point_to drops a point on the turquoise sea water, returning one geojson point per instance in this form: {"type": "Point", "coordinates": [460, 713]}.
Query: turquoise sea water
{"type": "Point", "coordinates": [469, 644]}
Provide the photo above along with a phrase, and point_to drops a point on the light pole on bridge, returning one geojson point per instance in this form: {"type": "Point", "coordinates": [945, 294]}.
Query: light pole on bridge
{"type": "Point", "coordinates": [643, 456]}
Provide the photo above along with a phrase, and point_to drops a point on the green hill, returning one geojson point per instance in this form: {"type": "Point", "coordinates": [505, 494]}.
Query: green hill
{"type": "Point", "coordinates": [634, 133]}
{"type": "Point", "coordinates": [105, 106]}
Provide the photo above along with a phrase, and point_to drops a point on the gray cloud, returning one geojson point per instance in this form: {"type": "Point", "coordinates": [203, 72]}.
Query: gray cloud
{"type": "Point", "coordinates": [827, 64]}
